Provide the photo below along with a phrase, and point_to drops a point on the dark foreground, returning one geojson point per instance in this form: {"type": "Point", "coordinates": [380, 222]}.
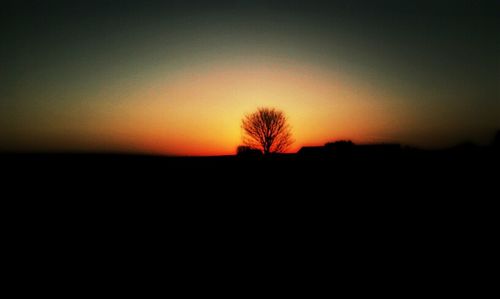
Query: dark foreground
{"type": "Point", "coordinates": [420, 219]}
{"type": "Point", "coordinates": [454, 175]}
{"type": "Point", "coordinates": [420, 185]}
{"type": "Point", "coordinates": [414, 188]}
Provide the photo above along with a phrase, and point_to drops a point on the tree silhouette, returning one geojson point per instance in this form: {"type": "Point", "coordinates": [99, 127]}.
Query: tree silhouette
{"type": "Point", "coordinates": [267, 129]}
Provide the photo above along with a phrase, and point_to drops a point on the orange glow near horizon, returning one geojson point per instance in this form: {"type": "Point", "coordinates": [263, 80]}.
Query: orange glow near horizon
{"type": "Point", "coordinates": [177, 77]}
{"type": "Point", "coordinates": [199, 111]}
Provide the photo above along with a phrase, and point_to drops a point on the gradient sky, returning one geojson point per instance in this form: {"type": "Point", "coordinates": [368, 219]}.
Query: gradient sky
{"type": "Point", "coordinates": [176, 77]}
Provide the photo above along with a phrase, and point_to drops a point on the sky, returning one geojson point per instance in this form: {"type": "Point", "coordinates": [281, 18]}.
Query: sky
{"type": "Point", "coordinates": [177, 77]}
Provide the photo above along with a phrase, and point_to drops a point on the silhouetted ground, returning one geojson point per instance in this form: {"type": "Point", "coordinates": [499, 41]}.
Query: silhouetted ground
{"type": "Point", "coordinates": [403, 174]}
{"type": "Point", "coordinates": [412, 211]}
{"type": "Point", "coordinates": [398, 192]}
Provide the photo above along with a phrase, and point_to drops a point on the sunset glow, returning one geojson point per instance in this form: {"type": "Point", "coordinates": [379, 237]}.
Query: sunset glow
{"type": "Point", "coordinates": [199, 111]}
{"type": "Point", "coordinates": [178, 81]}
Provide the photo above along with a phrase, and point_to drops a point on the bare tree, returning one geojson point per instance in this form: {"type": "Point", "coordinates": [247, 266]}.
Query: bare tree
{"type": "Point", "coordinates": [267, 129]}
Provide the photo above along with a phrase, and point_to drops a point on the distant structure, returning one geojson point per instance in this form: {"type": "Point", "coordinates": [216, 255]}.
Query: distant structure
{"type": "Point", "coordinates": [346, 148]}
{"type": "Point", "coordinates": [248, 152]}
{"type": "Point", "coordinates": [312, 151]}
{"type": "Point", "coordinates": [341, 147]}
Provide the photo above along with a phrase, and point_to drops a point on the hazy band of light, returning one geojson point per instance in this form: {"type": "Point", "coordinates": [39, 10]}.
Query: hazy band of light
{"type": "Point", "coordinates": [180, 83]}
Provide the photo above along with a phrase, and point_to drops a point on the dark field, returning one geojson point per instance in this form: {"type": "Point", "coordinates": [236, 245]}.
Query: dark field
{"type": "Point", "coordinates": [402, 174]}
{"type": "Point", "coordinates": [408, 211]}
{"type": "Point", "coordinates": [397, 190]}
{"type": "Point", "coordinates": [406, 184]}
